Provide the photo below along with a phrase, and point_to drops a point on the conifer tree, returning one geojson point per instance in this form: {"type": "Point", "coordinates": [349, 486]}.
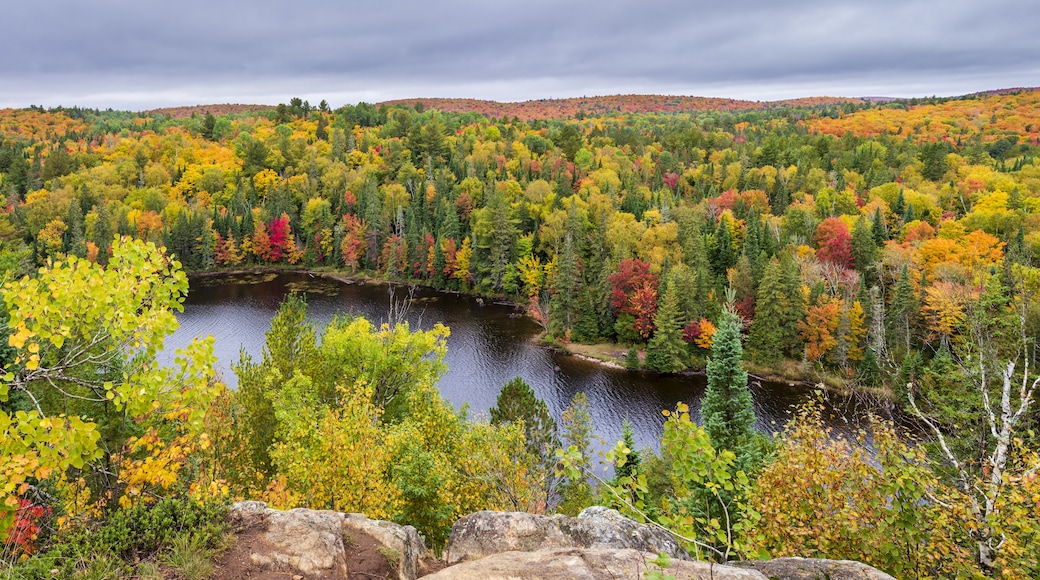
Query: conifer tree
{"type": "Point", "coordinates": [902, 312]}
{"type": "Point", "coordinates": [517, 402]}
{"type": "Point", "coordinates": [774, 332]}
{"type": "Point", "coordinates": [723, 256]}
{"type": "Point", "coordinates": [564, 305]}
{"type": "Point", "coordinates": [727, 410]}
{"type": "Point", "coordinates": [877, 229]}
{"type": "Point", "coordinates": [666, 351]}
{"type": "Point", "coordinates": [632, 359]}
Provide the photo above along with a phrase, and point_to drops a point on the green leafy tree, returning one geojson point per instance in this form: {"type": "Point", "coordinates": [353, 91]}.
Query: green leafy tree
{"type": "Point", "coordinates": [576, 425]}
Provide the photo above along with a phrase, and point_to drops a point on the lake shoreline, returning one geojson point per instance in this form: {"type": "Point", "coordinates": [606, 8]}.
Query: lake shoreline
{"type": "Point", "coordinates": [602, 354]}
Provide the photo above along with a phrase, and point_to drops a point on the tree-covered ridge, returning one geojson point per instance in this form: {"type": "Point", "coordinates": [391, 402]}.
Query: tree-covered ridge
{"type": "Point", "coordinates": [607, 105]}
{"type": "Point", "coordinates": [988, 118]}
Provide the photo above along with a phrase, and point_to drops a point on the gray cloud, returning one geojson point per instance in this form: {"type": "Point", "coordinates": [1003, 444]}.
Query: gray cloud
{"type": "Point", "coordinates": [146, 54]}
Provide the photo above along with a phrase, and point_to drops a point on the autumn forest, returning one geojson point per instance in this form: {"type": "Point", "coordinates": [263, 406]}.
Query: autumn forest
{"type": "Point", "coordinates": [887, 248]}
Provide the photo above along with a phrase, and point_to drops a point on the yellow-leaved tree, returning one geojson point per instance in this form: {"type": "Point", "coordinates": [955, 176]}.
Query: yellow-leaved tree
{"type": "Point", "coordinates": [82, 386]}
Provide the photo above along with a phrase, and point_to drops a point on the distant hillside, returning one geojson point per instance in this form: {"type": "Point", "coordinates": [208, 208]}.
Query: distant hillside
{"type": "Point", "coordinates": [216, 110]}
{"type": "Point", "coordinates": [562, 108]}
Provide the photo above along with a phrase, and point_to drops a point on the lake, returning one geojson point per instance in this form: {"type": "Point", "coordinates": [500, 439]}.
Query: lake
{"type": "Point", "coordinates": [489, 345]}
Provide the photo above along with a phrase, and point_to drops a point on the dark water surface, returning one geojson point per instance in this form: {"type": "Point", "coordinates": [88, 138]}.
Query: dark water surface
{"type": "Point", "coordinates": [489, 345]}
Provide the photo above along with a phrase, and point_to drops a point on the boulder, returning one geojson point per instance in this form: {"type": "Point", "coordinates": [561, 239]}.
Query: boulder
{"type": "Point", "coordinates": [311, 541]}
{"type": "Point", "coordinates": [814, 569]}
{"type": "Point", "coordinates": [586, 564]}
{"type": "Point", "coordinates": [485, 533]}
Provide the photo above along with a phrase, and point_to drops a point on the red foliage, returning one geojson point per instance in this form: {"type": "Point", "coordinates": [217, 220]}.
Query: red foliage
{"type": "Point", "coordinates": [643, 305]}
{"type": "Point", "coordinates": [745, 307]}
{"type": "Point", "coordinates": [278, 233]}
{"type": "Point", "coordinates": [26, 526]}
{"type": "Point", "coordinates": [631, 275]}
{"type": "Point", "coordinates": [735, 201]}
{"type": "Point", "coordinates": [691, 331]}
{"type": "Point", "coordinates": [353, 244]}
{"type": "Point", "coordinates": [834, 242]}
{"type": "Point", "coordinates": [671, 180]}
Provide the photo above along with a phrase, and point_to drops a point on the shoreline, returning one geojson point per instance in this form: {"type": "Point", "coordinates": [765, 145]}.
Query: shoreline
{"type": "Point", "coordinates": [593, 353]}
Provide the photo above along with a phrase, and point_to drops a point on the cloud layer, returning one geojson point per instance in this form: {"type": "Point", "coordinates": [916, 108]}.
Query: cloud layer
{"type": "Point", "coordinates": [136, 55]}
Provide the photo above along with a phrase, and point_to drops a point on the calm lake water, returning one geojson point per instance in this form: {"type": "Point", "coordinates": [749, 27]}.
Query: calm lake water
{"type": "Point", "coordinates": [489, 345]}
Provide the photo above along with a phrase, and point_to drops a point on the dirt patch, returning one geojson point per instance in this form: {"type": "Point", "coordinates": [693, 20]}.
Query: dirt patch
{"type": "Point", "coordinates": [235, 562]}
{"type": "Point", "coordinates": [429, 566]}
{"type": "Point", "coordinates": [367, 558]}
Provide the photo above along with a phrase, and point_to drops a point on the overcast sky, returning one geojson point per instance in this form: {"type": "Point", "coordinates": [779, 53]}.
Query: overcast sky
{"type": "Point", "coordinates": [141, 54]}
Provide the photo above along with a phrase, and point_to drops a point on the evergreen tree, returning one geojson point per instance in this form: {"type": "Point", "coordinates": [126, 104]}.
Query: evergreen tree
{"type": "Point", "coordinates": [517, 402]}
{"type": "Point", "coordinates": [666, 351]}
{"type": "Point", "coordinates": [869, 372]}
{"type": "Point", "coordinates": [566, 286]}
{"type": "Point", "coordinates": [208, 126]}
{"type": "Point", "coordinates": [632, 359]}
{"type": "Point", "coordinates": [902, 312]}
{"type": "Point", "coordinates": [102, 234]}
{"type": "Point", "coordinates": [727, 410]}
{"type": "Point", "coordinates": [723, 256]}
{"type": "Point", "coordinates": [864, 251]}
{"type": "Point", "coordinates": [774, 331]}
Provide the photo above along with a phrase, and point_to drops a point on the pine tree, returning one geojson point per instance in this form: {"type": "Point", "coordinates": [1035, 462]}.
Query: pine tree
{"type": "Point", "coordinates": [727, 410]}
{"type": "Point", "coordinates": [666, 351]}
{"type": "Point", "coordinates": [517, 402]}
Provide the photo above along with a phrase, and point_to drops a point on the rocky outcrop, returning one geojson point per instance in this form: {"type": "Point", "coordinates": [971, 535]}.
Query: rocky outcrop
{"type": "Point", "coordinates": [311, 542]}
{"type": "Point", "coordinates": [485, 533]}
{"type": "Point", "coordinates": [586, 564]}
{"type": "Point", "coordinates": [814, 569]}
{"type": "Point", "coordinates": [403, 541]}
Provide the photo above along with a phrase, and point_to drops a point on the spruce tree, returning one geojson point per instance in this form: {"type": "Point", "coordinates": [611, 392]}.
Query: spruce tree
{"type": "Point", "coordinates": [632, 359]}
{"type": "Point", "coordinates": [774, 332]}
{"type": "Point", "coordinates": [902, 312]}
{"type": "Point", "coordinates": [567, 283]}
{"type": "Point", "coordinates": [666, 351]}
{"type": "Point", "coordinates": [723, 256]}
{"type": "Point", "coordinates": [878, 229]}
{"type": "Point", "coordinates": [727, 410]}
